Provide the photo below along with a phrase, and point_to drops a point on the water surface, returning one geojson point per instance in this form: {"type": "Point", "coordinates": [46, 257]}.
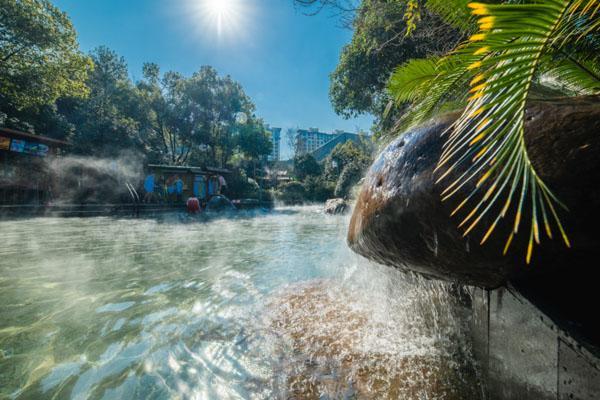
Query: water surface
{"type": "Point", "coordinates": [255, 306]}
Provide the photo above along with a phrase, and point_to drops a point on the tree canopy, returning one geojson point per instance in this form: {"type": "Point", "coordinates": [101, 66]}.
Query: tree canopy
{"type": "Point", "coordinates": [40, 59]}
{"type": "Point", "coordinates": [306, 165]}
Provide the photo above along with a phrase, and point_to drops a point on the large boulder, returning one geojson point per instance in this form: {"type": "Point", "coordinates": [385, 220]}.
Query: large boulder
{"type": "Point", "coordinates": [400, 220]}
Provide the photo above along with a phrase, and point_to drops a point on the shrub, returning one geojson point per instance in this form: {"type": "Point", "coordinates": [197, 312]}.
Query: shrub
{"type": "Point", "coordinates": [292, 193]}
{"type": "Point", "coordinates": [348, 178]}
{"type": "Point", "coordinates": [317, 188]}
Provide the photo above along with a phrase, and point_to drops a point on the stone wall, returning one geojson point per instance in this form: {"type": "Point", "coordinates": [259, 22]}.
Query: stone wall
{"type": "Point", "coordinates": [524, 355]}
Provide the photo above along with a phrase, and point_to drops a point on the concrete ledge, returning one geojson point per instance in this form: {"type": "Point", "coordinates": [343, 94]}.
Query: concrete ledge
{"type": "Point", "coordinates": [523, 354]}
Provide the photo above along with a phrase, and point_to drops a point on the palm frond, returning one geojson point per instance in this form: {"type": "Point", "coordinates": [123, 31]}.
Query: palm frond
{"type": "Point", "coordinates": [453, 12]}
{"type": "Point", "coordinates": [578, 75]}
{"type": "Point", "coordinates": [410, 81]}
{"type": "Point", "coordinates": [428, 84]}
{"type": "Point", "coordinates": [489, 136]}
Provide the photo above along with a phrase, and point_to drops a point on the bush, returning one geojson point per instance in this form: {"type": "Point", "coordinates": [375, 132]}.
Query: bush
{"type": "Point", "coordinates": [318, 188]}
{"type": "Point", "coordinates": [292, 193]}
{"type": "Point", "coordinates": [348, 178]}
{"type": "Point", "coordinates": [240, 187]}
{"type": "Point", "coordinates": [305, 165]}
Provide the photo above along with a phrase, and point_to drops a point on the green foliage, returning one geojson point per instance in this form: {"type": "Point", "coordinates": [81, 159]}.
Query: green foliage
{"type": "Point", "coordinates": [253, 140]}
{"type": "Point", "coordinates": [454, 12]}
{"type": "Point", "coordinates": [517, 47]}
{"type": "Point", "coordinates": [306, 165]}
{"type": "Point", "coordinates": [345, 154]}
{"type": "Point", "coordinates": [318, 189]}
{"type": "Point", "coordinates": [292, 193]}
{"type": "Point", "coordinates": [240, 187]}
{"type": "Point", "coordinates": [380, 43]}
{"type": "Point", "coordinates": [350, 176]}
{"type": "Point", "coordinates": [104, 120]}
{"type": "Point", "coordinates": [193, 120]}
{"type": "Point", "coordinates": [40, 59]}
{"type": "Point", "coordinates": [340, 171]}
{"type": "Point", "coordinates": [47, 86]}
{"type": "Point", "coordinates": [577, 74]}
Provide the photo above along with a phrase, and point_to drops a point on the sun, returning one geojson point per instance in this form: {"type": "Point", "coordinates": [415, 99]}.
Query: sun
{"type": "Point", "coordinates": [220, 8]}
{"type": "Point", "coordinates": [223, 16]}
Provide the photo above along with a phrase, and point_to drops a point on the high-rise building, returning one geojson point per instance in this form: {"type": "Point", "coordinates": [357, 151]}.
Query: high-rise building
{"type": "Point", "coordinates": [320, 144]}
{"type": "Point", "coordinates": [276, 139]}
{"type": "Point", "coordinates": [308, 140]}
{"type": "Point", "coordinates": [339, 137]}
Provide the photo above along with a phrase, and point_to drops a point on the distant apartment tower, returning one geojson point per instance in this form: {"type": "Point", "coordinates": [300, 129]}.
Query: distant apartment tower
{"type": "Point", "coordinates": [339, 137]}
{"type": "Point", "coordinates": [276, 139]}
{"type": "Point", "coordinates": [320, 144]}
{"type": "Point", "coordinates": [308, 140]}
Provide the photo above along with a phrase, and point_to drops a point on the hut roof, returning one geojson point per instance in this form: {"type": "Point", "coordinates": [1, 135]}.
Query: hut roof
{"type": "Point", "coordinates": [13, 134]}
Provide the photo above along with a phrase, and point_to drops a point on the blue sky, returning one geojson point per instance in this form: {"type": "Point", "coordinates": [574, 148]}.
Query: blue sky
{"type": "Point", "coordinates": [282, 57]}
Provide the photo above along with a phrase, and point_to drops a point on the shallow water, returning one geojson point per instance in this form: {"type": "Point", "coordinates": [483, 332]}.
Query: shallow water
{"type": "Point", "coordinates": [256, 306]}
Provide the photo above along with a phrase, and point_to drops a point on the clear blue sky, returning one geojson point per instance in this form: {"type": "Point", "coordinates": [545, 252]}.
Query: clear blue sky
{"type": "Point", "coordinates": [282, 57]}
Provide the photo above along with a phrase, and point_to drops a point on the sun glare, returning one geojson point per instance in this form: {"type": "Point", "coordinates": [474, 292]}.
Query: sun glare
{"type": "Point", "coordinates": [220, 8]}
{"type": "Point", "coordinates": [223, 17]}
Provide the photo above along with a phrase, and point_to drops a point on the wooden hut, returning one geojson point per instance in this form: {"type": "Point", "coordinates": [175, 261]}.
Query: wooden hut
{"type": "Point", "coordinates": [24, 176]}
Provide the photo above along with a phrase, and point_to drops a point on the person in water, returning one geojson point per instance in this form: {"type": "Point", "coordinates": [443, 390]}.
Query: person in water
{"type": "Point", "coordinates": [193, 205]}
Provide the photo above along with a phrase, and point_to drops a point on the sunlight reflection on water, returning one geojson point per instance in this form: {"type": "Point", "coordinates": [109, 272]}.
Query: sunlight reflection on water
{"type": "Point", "coordinates": [264, 305]}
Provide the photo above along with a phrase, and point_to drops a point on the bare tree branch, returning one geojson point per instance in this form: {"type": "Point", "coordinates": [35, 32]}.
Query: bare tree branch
{"type": "Point", "coordinates": [345, 10]}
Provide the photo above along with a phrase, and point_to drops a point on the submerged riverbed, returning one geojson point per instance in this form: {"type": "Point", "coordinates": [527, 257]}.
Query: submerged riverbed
{"type": "Point", "coordinates": [249, 306]}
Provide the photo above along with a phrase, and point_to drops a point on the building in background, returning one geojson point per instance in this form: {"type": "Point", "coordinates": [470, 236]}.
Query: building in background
{"type": "Point", "coordinates": [308, 140]}
{"type": "Point", "coordinates": [339, 137]}
{"type": "Point", "coordinates": [276, 139]}
{"type": "Point", "coordinates": [25, 177]}
{"type": "Point", "coordinates": [320, 144]}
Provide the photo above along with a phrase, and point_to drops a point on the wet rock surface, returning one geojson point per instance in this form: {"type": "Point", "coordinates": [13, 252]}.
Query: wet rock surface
{"type": "Point", "coordinates": [399, 219]}
{"type": "Point", "coordinates": [336, 206]}
{"type": "Point", "coordinates": [219, 203]}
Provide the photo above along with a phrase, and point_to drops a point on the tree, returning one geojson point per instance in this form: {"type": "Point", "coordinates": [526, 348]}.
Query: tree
{"type": "Point", "coordinates": [306, 165]}
{"type": "Point", "coordinates": [318, 188]}
{"type": "Point", "coordinates": [159, 109]}
{"type": "Point", "coordinates": [379, 44]}
{"type": "Point", "coordinates": [344, 9]}
{"type": "Point", "coordinates": [345, 154]}
{"type": "Point", "coordinates": [106, 119]}
{"type": "Point", "coordinates": [253, 140]}
{"type": "Point", "coordinates": [195, 119]}
{"type": "Point", "coordinates": [349, 177]}
{"type": "Point", "coordinates": [40, 59]}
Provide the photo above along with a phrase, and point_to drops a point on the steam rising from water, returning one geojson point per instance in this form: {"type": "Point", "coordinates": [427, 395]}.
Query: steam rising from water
{"type": "Point", "coordinates": [260, 306]}
{"type": "Point", "coordinates": [83, 179]}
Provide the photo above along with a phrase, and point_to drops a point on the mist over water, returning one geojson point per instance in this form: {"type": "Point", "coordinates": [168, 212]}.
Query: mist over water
{"type": "Point", "coordinates": [256, 306]}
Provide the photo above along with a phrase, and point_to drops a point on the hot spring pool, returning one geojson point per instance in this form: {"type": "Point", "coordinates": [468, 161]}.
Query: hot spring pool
{"type": "Point", "coordinates": [247, 306]}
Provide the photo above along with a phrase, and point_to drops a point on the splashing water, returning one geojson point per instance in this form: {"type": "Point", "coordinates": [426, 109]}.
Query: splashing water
{"type": "Point", "coordinates": [255, 306]}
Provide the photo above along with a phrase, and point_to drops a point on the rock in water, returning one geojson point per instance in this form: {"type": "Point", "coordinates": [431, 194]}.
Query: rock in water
{"type": "Point", "coordinates": [219, 203]}
{"type": "Point", "coordinates": [399, 219]}
{"type": "Point", "coordinates": [336, 206]}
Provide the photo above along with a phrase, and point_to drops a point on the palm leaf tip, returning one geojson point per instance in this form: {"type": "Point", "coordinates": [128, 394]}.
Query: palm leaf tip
{"type": "Point", "coordinates": [477, 37]}
{"type": "Point", "coordinates": [478, 8]}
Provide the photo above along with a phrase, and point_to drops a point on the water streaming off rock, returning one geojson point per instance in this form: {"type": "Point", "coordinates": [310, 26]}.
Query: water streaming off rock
{"type": "Point", "coordinates": [258, 306]}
